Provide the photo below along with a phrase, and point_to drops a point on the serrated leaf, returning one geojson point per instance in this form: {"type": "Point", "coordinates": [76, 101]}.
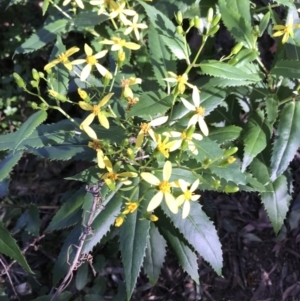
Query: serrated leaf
{"type": "Point", "coordinates": [150, 104]}
{"type": "Point", "coordinates": [289, 69]}
{"type": "Point", "coordinates": [272, 103]}
{"type": "Point", "coordinates": [287, 141]}
{"type": "Point", "coordinates": [89, 175]}
{"type": "Point", "coordinates": [160, 56]}
{"type": "Point", "coordinates": [238, 26]}
{"type": "Point", "coordinates": [104, 221]}
{"type": "Point", "coordinates": [242, 7]}
{"type": "Point", "coordinates": [186, 257]}
{"type": "Point", "coordinates": [29, 126]}
{"type": "Point", "coordinates": [226, 133]}
{"type": "Point", "coordinates": [224, 70]}
{"type": "Point", "coordinates": [133, 242]}
{"type": "Point", "coordinates": [43, 36]}
{"type": "Point", "coordinates": [287, 3]}
{"type": "Point", "coordinates": [9, 248]}
{"type": "Point", "coordinates": [166, 30]}
{"type": "Point", "coordinates": [69, 213]}
{"type": "Point", "coordinates": [7, 164]}
{"type": "Point", "coordinates": [255, 137]}
{"type": "Point", "coordinates": [207, 149]}
{"type": "Point", "coordinates": [244, 57]}
{"type": "Point", "coordinates": [88, 19]}
{"type": "Point", "coordinates": [155, 254]}
{"type": "Point", "coordinates": [276, 198]}
{"type": "Point", "coordinates": [200, 232]}
{"type": "Point", "coordinates": [212, 82]}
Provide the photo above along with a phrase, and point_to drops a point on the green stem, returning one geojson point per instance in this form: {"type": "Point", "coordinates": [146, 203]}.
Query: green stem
{"type": "Point", "coordinates": [265, 7]}
{"type": "Point", "coordinates": [63, 12]}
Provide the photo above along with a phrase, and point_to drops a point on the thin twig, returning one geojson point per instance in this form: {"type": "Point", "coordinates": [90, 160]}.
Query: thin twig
{"type": "Point", "coordinates": [28, 206]}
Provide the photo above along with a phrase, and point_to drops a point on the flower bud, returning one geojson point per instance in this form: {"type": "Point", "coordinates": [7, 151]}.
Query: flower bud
{"type": "Point", "coordinates": [192, 22]}
{"type": "Point", "coordinates": [179, 29]}
{"type": "Point", "coordinates": [56, 95]}
{"type": "Point", "coordinates": [119, 221]}
{"type": "Point", "coordinates": [190, 131]}
{"type": "Point", "coordinates": [213, 30]}
{"type": "Point", "coordinates": [206, 163]}
{"type": "Point", "coordinates": [43, 106]}
{"type": "Point", "coordinates": [236, 49]}
{"type": "Point", "coordinates": [34, 83]}
{"type": "Point", "coordinates": [216, 184]}
{"type": "Point", "coordinates": [83, 95]}
{"type": "Point", "coordinates": [130, 153]}
{"type": "Point", "coordinates": [35, 74]}
{"type": "Point", "coordinates": [34, 105]}
{"type": "Point", "coordinates": [230, 151]}
{"type": "Point", "coordinates": [216, 20]}
{"type": "Point", "coordinates": [184, 144]}
{"type": "Point", "coordinates": [106, 79]}
{"type": "Point", "coordinates": [19, 80]}
{"type": "Point", "coordinates": [153, 218]}
{"type": "Point", "coordinates": [121, 58]}
{"type": "Point", "coordinates": [210, 15]}
{"type": "Point", "coordinates": [41, 75]}
{"type": "Point", "coordinates": [179, 17]}
{"type": "Point", "coordinates": [197, 22]}
{"type": "Point", "coordinates": [231, 189]}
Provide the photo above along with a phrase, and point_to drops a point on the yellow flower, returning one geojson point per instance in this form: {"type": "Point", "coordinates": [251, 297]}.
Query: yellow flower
{"type": "Point", "coordinates": [112, 176]}
{"type": "Point", "coordinates": [63, 58]}
{"type": "Point", "coordinates": [183, 138]}
{"type": "Point", "coordinates": [181, 80]}
{"type": "Point", "coordinates": [121, 11]}
{"type": "Point", "coordinates": [285, 30]}
{"type": "Point", "coordinates": [134, 26]}
{"type": "Point", "coordinates": [103, 5]}
{"type": "Point", "coordinates": [119, 220]}
{"type": "Point", "coordinates": [91, 60]}
{"type": "Point", "coordinates": [164, 146]}
{"type": "Point", "coordinates": [118, 44]}
{"type": "Point", "coordinates": [130, 207]}
{"type": "Point", "coordinates": [96, 145]}
{"type": "Point", "coordinates": [164, 188]}
{"type": "Point", "coordinates": [78, 2]}
{"type": "Point", "coordinates": [125, 83]}
{"type": "Point", "coordinates": [199, 112]}
{"type": "Point", "coordinates": [146, 129]}
{"type": "Point", "coordinates": [95, 111]}
{"type": "Point", "coordinates": [153, 217]}
{"type": "Point", "coordinates": [187, 196]}
{"type": "Point", "coordinates": [83, 95]}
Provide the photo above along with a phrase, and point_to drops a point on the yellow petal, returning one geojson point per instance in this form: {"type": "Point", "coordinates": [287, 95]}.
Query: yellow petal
{"type": "Point", "coordinates": [87, 121]}
{"type": "Point", "coordinates": [100, 159]}
{"type": "Point", "coordinates": [132, 46]}
{"type": "Point", "coordinates": [171, 202]}
{"type": "Point", "coordinates": [51, 64]}
{"type": "Point", "coordinates": [108, 164]}
{"type": "Point", "coordinates": [103, 120]}
{"type": "Point", "coordinates": [186, 209]}
{"type": "Point", "coordinates": [88, 50]}
{"type": "Point", "coordinates": [85, 106]}
{"type": "Point", "coordinates": [150, 178]}
{"type": "Point", "coordinates": [180, 200]}
{"type": "Point", "coordinates": [167, 171]}
{"type": "Point", "coordinates": [194, 185]}
{"type": "Point", "coordinates": [71, 51]}
{"type": "Point", "coordinates": [86, 71]}
{"type": "Point", "coordinates": [89, 131]}
{"type": "Point", "coordinates": [105, 99]}
{"type": "Point", "coordinates": [128, 174]}
{"type": "Point", "coordinates": [155, 201]}
{"type": "Point", "coordinates": [139, 139]}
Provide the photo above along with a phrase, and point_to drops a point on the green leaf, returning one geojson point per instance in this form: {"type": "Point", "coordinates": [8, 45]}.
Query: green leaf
{"type": "Point", "coordinates": [287, 141]}
{"type": "Point", "coordinates": [224, 70]}
{"type": "Point", "coordinates": [45, 6]}
{"type": "Point", "coordinates": [133, 243]}
{"type": "Point", "coordinates": [224, 134]}
{"type": "Point", "coordinates": [7, 164]}
{"type": "Point", "coordinates": [285, 68]}
{"type": "Point", "coordinates": [9, 248]}
{"type": "Point", "coordinates": [212, 82]}
{"type": "Point", "coordinates": [287, 3]}
{"type": "Point", "coordinates": [245, 56]}
{"type": "Point", "coordinates": [237, 25]}
{"type": "Point", "coordinates": [166, 29]}
{"type": "Point", "coordinates": [242, 7]}
{"type": "Point", "coordinates": [276, 198]}
{"type": "Point", "coordinates": [82, 276]}
{"type": "Point", "coordinates": [160, 56]}
{"type": "Point", "coordinates": [155, 254]}
{"type": "Point", "coordinates": [29, 126]}
{"type": "Point", "coordinates": [186, 257]}
{"type": "Point", "coordinates": [104, 220]}
{"type": "Point", "coordinates": [272, 103]}
{"type": "Point", "coordinates": [207, 149]}
{"type": "Point", "coordinates": [255, 137]}
{"type": "Point", "coordinates": [200, 232]}
{"type": "Point", "coordinates": [43, 36]}
{"type": "Point", "coordinates": [69, 213]}
{"type": "Point", "coordinates": [151, 103]}
{"type": "Point", "coordinates": [89, 175]}
{"type": "Point", "coordinates": [264, 23]}
{"type": "Point", "coordinates": [88, 19]}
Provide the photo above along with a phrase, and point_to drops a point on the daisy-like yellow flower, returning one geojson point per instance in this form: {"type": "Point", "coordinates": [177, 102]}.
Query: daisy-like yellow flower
{"type": "Point", "coordinates": [187, 196]}
{"type": "Point", "coordinates": [164, 188]}
{"type": "Point", "coordinates": [164, 146]}
{"type": "Point", "coordinates": [181, 80]}
{"type": "Point", "coordinates": [78, 2]}
{"type": "Point", "coordinates": [112, 176]}
{"type": "Point", "coordinates": [96, 145]}
{"type": "Point", "coordinates": [125, 83]}
{"type": "Point", "coordinates": [95, 111]}
{"type": "Point", "coordinates": [119, 10]}
{"type": "Point", "coordinates": [199, 112]}
{"type": "Point", "coordinates": [91, 60]}
{"type": "Point", "coordinates": [118, 44]}
{"type": "Point", "coordinates": [130, 207]}
{"type": "Point", "coordinates": [63, 58]}
{"type": "Point", "coordinates": [146, 129]}
{"type": "Point", "coordinates": [285, 30]}
{"type": "Point", "coordinates": [135, 26]}
{"type": "Point", "coordinates": [184, 138]}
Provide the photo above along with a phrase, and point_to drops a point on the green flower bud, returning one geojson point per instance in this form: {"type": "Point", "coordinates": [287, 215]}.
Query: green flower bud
{"type": "Point", "coordinates": [231, 189]}
{"type": "Point", "coordinates": [106, 79]}
{"type": "Point", "coordinates": [192, 22]}
{"type": "Point", "coordinates": [230, 151]}
{"type": "Point", "coordinates": [190, 131]}
{"type": "Point", "coordinates": [197, 22]}
{"type": "Point", "coordinates": [213, 30]}
{"type": "Point", "coordinates": [206, 163]}
{"type": "Point", "coordinates": [35, 74]}
{"type": "Point", "coordinates": [121, 58]}
{"type": "Point", "coordinates": [34, 83]}
{"type": "Point", "coordinates": [236, 49]}
{"type": "Point", "coordinates": [216, 184]}
{"type": "Point", "coordinates": [179, 17]}
{"type": "Point", "coordinates": [179, 29]}
{"type": "Point", "coordinates": [184, 144]}
{"type": "Point", "coordinates": [216, 20]}
{"type": "Point", "coordinates": [34, 105]}
{"type": "Point", "coordinates": [41, 75]}
{"type": "Point", "coordinates": [210, 15]}
{"type": "Point", "coordinates": [233, 61]}
{"type": "Point", "coordinates": [227, 161]}
{"type": "Point", "coordinates": [43, 106]}
{"type": "Point", "coordinates": [19, 80]}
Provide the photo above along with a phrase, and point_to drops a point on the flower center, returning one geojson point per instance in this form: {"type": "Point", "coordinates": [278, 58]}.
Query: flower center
{"type": "Point", "coordinates": [200, 111]}
{"type": "Point", "coordinates": [91, 60]}
{"type": "Point", "coordinates": [162, 148]}
{"type": "Point", "coordinates": [113, 176]}
{"type": "Point", "coordinates": [164, 187]}
{"type": "Point", "coordinates": [188, 195]}
{"type": "Point", "coordinates": [96, 145]}
{"type": "Point", "coordinates": [63, 58]}
{"type": "Point", "coordinates": [183, 135]}
{"type": "Point", "coordinates": [145, 127]}
{"type": "Point", "coordinates": [125, 82]}
{"type": "Point", "coordinates": [96, 109]}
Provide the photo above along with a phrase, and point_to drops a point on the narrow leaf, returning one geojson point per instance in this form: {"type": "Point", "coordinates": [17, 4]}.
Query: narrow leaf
{"type": "Point", "coordinates": [272, 107]}
{"type": "Point", "coordinates": [9, 248]}
{"type": "Point", "coordinates": [7, 164]}
{"type": "Point", "coordinates": [289, 69]}
{"type": "Point", "coordinates": [287, 141]}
